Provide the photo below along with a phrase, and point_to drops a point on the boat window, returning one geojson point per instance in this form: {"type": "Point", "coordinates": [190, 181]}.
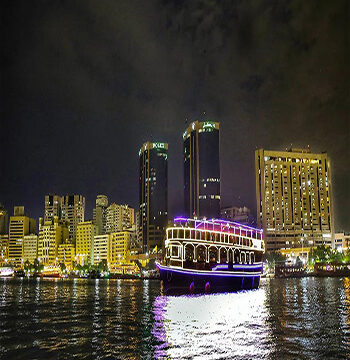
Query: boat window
{"type": "Point", "coordinates": [237, 257]}
{"type": "Point", "coordinates": [181, 234]}
{"type": "Point", "coordinates": [175, 233]}
{"type": "Point", "coordinates": [223, 255]}
{"type": "Point", "coordinates": [189, 252]}
{"type": "Point", "coordinates": [198, 235]}
{"type": "Point", "coordinates": [193, 234]}
{"type": "Point", "coordinates": [213, 254]}
{"type": "Point", "coordinates": [247, 258]}
{"type": "Point", "coordinates": [174, 251]}
{"type": "Point", "coordinates": [187, 234]}
{"type": "Point", "coordinates": [201, 253]}
{"type": "Point", "coordinates": [207, 236]}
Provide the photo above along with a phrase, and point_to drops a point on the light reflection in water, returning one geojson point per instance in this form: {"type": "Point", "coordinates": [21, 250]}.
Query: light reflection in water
{"type": "Point", "coordinates": [214, 326]}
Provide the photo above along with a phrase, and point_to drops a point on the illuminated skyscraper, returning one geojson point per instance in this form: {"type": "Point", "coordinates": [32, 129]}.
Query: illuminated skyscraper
{"type": "Point", "coordinates": [153, 194]}
{"type": "Point", "coordinates": [73, 210]}
{"type": "Point", "coordinates": [100, 214]}
{"type": "Point", "coordinates": [293, 193]}
{"type": "Point", "coordinates": [202, 169]}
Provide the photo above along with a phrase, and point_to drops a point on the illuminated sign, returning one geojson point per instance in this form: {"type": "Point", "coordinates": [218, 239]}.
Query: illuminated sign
{"type": "Point", "coordinates": [208, 124]}
{"type": "Point", "coordinates": [158, 146]}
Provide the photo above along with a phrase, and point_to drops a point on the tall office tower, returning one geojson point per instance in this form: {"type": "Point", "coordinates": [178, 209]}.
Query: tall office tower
{"type": "Point", "coordinates": [53, 207]}
{"type": "Point", "coordinates": [20, 225]}
{"type": "Point", "coordinates": [100, 214]}
{"type": "Point", "coordinates": [73, 210]}
{"type": "Point", "coordinates": [86, 231]}
{"type": "Point", "coordinates": [293, 193]}
{"type": "Point", "coordinates": [119, 217]}
{"type": "Point", "coordinates": [153, 194]}
{"type": "Point", "coordinates": [4, 249]}
{"type": "Point", "coordinates": [202, 169]}
{"type": "Point", "coordinates": [30, 248]}
{"type": "Point", "coordinates": [4, 221]}
{"type": "Point", "coordinates": [241, 215]}
{"type": "Point", "coordinates": [52, 233]}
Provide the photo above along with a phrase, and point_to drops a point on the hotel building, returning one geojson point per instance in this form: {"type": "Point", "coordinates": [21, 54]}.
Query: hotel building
{"type": "Point", "coordinates": [20, 225]}
{"type": "Point", "coordinates": [202, 169]}
{"type": "Point", "coordinates": [294, 198]}
{"type": "Point", "coordinates": [52, 233]}
{"type": "Point", "coordinates": [100, 214]}
{"type": "Point", "coordinates": [86, 231]}
{"type": "Point", "coordinates": [73, 210]}
{"type": "Point", "coordinates": [153, 194]}
{"type": "Point", "coordinates": [30, 248]}
{"type": "Point", "coordinates": [119, 217]}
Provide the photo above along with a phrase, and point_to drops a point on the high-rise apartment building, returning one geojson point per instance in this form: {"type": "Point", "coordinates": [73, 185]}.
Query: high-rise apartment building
{"type": "Point", "coordinates": [294, 198]}
{"type": "Point", "coordinates": [30, 248]}
{"type": "Point", "coordinates": [202, 169]}
{"type": "Point", "coordinates": [100, 214]}
{"type": "Point", "coordinates": [101, 249]}
{"type": "Point", "coordinates": [4, 249]}
{"type": "Point", "coordinates": [20, 225]}
{"type": "Point", "coordinates": [73, 210]}
{"type": "Point", "coordinates": [52, 233]}
{"type": "Point", "coordinates": [4, 220]}
{"type": "Point", "coordinates": [153, 194]}
{"type": "Point", "coordinates": [119, 217]}
{"type": "Point", "coordinates": [53, 207]}
{"type": "Point", "coordinates": [86, 231]}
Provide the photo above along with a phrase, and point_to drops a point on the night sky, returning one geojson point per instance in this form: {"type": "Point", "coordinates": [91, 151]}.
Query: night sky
{"type": "Point", "coordinates": [85, 83]}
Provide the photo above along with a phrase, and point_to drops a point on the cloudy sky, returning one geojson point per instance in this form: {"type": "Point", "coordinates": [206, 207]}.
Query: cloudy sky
{"type": "Point", "coordinates": [85, 83]}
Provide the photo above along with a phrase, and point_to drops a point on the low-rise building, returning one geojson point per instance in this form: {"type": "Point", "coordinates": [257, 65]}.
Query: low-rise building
{"type": "Point", "coordinates": [342, 241]}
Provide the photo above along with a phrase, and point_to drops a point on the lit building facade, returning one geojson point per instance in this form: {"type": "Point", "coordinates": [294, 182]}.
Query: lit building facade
{"type": "Point", "coordinates": [100, 214]}
{"type": "Point", "coordinates": [202, 169]}
{"type": "Point", "coordinates": [4, 220]}
{"type": "Point", "coordinates": [119, 217]}
{"type": "Point", "coordinates": [52, 233]}
{"type": "Point", "coordinates": [294, 198]}
{"type": "Point", "coordinates": [53, 207]}
{"type": "Point", "coordinates": [238, 214]}
{"type": "Point", "coordinates": [101, 249]}
{"type": "Point", "coordinates": [342, 241]}
{"type": "Point", "coordinates": [73, 211]}
{"type": "Point", "coordinates": [66, 255]}
{"type": "Point", "coordinates": [86, 231]}
{"type": "Point", "coordinates": [4, 249]}
{"type": "Point", "coordinates": [20, 225]}
{"type": "Point", "coordinates": [153, 194]}
{"type": "Point", "coordinates": [30, 248]}
{"type": "Point", "coordinates": [120, 245]}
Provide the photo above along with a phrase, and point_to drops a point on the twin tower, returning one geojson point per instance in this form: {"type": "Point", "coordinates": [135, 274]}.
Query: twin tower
{"type": "Point", "coordinates": [201, 156]}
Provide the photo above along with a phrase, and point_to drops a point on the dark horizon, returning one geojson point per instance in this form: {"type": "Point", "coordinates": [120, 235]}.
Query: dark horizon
{"type": "Point", "coordinates": [85, 84]}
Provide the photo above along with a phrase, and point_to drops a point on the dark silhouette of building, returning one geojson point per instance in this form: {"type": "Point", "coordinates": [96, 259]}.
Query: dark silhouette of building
{"type": "Point", "coordinates": [153, 195]}
{"type": "Point", "coordinates": [202, 169]}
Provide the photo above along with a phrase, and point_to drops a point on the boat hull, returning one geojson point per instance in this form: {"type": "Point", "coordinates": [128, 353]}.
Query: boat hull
{"type": "Point", "coordinates": [176, 280]}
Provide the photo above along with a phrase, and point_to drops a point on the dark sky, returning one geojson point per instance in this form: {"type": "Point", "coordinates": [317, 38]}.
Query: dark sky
{"type": "Point", "coordinates": [85, 83]}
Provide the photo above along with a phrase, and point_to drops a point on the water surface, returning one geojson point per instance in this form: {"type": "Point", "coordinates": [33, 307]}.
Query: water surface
{"type": "Point", "coordinates": [305, 318]}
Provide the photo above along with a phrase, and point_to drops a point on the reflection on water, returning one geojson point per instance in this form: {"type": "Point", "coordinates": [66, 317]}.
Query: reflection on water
{"type": "Point", "coordinates": [97, 319]}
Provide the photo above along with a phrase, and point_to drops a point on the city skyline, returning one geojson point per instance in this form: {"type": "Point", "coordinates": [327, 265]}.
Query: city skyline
{"type": "Point", "coordinates": [69, 122]}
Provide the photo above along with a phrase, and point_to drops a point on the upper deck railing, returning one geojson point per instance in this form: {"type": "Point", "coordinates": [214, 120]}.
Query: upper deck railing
{"type": "Point", "coordinates": [218, 225]}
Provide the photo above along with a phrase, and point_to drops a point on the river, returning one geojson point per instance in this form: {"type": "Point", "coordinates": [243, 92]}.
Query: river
{"type": "Point", "coordinates": [306, 318]}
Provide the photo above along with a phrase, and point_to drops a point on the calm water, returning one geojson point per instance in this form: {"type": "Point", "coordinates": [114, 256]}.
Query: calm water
{"type": "Point", "coordinates": [129, 319]}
